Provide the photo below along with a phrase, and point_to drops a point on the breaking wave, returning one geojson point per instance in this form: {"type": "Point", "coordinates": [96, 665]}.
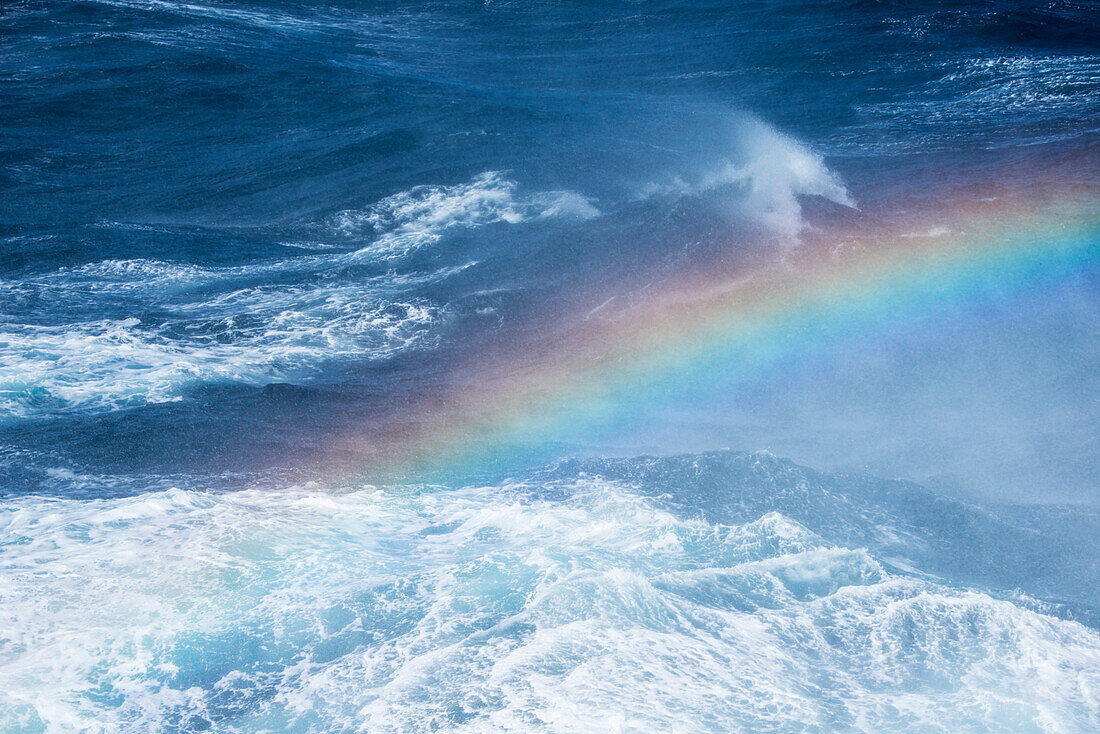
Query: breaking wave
{"type": "Point", "coordinates": [554, 606]}
{"type": "Point", "coordinates": [182, 324]}
{"type": "Point", "coordinates": [421, 216]}
{"type": "Point", "coordinates": [123, 363]}
{"type": "Point", "coordinates": [762, 176]}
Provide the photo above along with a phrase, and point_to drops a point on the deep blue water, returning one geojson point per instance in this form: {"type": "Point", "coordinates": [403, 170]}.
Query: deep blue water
{"type": "Point", "coordinates": [233, 233]}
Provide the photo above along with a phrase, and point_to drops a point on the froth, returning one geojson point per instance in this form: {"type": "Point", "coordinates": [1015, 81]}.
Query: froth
{"type": "Point", "coordinates": [555, 607]}
{"type": "Point", "coordinates": [419, 217]}
{"type": "Point", "coordinates": [252, 336]}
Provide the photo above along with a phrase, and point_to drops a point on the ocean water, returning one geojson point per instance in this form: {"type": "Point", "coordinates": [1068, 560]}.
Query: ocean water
{"type": "Point", "coordinates": [458, 366]}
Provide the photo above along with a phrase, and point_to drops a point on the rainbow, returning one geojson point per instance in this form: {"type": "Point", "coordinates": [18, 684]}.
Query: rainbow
{"type": "Point", "coordinates": [610, 371]}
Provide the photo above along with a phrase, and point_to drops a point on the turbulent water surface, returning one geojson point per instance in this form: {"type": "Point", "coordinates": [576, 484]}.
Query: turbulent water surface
{"type": "Point", "coordinates": [426, 366]}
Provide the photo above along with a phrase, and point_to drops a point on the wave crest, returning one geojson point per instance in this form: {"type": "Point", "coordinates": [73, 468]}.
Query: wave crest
{"type": "Point", "coordinates": [420, 216]}
{"type": "Point", "coordinates": [761, 176]}
{"type": "Point", "coordinates": [495, 609]}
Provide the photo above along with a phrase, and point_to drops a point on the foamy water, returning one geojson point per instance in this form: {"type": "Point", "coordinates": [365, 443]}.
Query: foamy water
{"type": "Point", "coordinates": [460, 367]}
{"type": "Point", "coordinates": [555, 607]}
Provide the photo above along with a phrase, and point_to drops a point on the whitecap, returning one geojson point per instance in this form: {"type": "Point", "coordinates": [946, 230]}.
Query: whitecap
{"type": "Point", "coordinates": [489, 609]}
{"type": "Point", "coordinates": [762, 177]}
{"type": "Point", "coordinates": [420, 216]}
{"type": "Point", "coordinates": [253, 336]}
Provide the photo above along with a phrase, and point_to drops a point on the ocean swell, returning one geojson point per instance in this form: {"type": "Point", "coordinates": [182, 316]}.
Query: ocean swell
{"type": "Point", "coordinates": [551, 607]}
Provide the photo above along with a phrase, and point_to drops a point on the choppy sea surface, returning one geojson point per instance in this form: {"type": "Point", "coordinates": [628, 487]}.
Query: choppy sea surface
{"type": "Point", "coordinates": [454, 366]}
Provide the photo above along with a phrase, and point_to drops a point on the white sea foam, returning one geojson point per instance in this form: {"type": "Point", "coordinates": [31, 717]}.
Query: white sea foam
{"type": "Point", "coordinates": [221, 327]}
{"type": "Point", "coordinates": [150, 282]}
{"type": "Point", "coordinates": [252, 336]}
{"type": "Point", "coordinates": [490, 609]}
{"type": "Point", "coordinates": [419, 217]}
{"type": "Point", "coordinates": [214, 327]}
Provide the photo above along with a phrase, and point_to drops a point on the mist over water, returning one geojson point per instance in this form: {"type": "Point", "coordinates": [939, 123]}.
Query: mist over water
{"type": "Point", "coordinates": [386, 367]}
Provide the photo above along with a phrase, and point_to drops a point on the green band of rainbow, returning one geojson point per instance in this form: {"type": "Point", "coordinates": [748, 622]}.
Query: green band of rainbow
{"type": "Point", "coordinates": [723, 328]}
